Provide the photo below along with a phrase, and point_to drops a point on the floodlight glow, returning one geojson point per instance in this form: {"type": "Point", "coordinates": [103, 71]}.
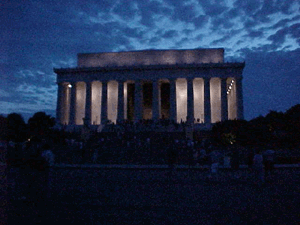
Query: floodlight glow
{"type": "Point", "coordinates": [232, 107]}
{"type": "Point", "coordinates": [96, 102]}
{"type": "Point", "coordinates": [112, 100]}
{"type": "Point", "coordinates": [181, 99]}
{"type": "Point", "coordinates": [80, 102]}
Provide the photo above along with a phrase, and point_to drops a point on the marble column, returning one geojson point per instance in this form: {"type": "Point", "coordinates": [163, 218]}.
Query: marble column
{"type": "Point", "coordinates": [239, 98]}
{"type": "Point", "coordinates": [155, 100]}
{"type": "Point", "coordinates": [104, 103]}
{"type": "Point", "coordinates": [190, 101]}
{"type": "Point", "coordinates": [72, 117]}
{"type": "Point", "coordinates": [88, 104]}
{"type": "Point", "coordinates": [224, 100]}
{"type": "Point", "coordinates": [138, 101]}
{"type": "Point", "coordinates": [207, 106]}
{"type": "Point", "coordinates": [120, 115]}
{"type": "Point", "coordinates": [59, 106]}
{"type": "Point", "coordinates": [173, 106]}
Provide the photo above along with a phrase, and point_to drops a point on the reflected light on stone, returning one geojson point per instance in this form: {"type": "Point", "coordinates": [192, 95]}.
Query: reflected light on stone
{"type": "Point", "coordinates": [96, 102]}
{"type": "Point", "coordinates": [215, 93]}
{"type": "Point", "coordinates": [80, 102]}
{"type": "Point", "coordinates": [112, 101]}
{"type": "Point", "coordinates": [181, 99]}
{"type": "Point", "coordinates": [198, 99]}
{"type": "Point", "coordinates": [169, 58]}
{"type": "Point", "coordinates": [151, 57]}
{"type": "Point", "coordinates": [232, 107]}
{"type": "Point", "coordinates": [125, 100]}
{"type": "Point", "coordinates": [189, 57]}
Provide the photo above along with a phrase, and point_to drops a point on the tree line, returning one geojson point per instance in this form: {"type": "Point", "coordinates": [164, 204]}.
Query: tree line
{"type": "Point", "coordinates": [13, 127]}
{"type": "Point", "coordinates": [276, 129]}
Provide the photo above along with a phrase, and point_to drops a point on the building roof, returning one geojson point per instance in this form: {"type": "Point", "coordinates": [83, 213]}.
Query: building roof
{"type": "Point", "coordinates": [151, 57]}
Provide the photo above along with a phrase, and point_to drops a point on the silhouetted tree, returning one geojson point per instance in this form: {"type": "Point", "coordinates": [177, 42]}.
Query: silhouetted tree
{"type": "Point", "coordinates": [293, 126]}
{"type": "Point", "coordinates": [3, 128]}
{"type": "Point", "coordinates": [259, 133]}
{"type": "Point", "coordinates": [276, 121]}
{"type": "Point", "coordinates": [16, 128]}
{"type": "Point", "coordinates": [40, 123]}
{"type": "Point", "coordinates": [277, 126]}
{"type": "Point", "coordinates": [293, 118]}
{"type": "Point", "coordinates": [231, 132]}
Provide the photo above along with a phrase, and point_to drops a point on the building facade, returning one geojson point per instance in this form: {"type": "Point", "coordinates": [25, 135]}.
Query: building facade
{"type": "Point", "coordinates": [194, 86]}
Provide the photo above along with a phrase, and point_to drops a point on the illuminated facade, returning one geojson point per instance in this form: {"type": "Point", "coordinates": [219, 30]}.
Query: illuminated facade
{"type": "Point", "coordinates": [195, 86]}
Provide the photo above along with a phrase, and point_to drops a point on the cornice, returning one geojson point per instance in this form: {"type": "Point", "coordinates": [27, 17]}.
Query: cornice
{"type": "Point", "coordinates": [239, 65]}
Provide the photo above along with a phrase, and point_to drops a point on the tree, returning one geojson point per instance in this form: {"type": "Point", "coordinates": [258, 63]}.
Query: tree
{"type": "Point", "coordinates": [276, 121]}
{"type": "Point", "coordinates": [3, 128]}
{"type": "Point", "coordinates": [231, 132]}
{"type": "Point", "coordinates": [40, 123]}
{"type": "Point", "coordinates": [259, 132]}
{"type": "Point", "coordinates": [293, 126]}
{"type": "Point", "coordinates": [293, 118]}
{"type": "Point", "coordinates": [16, 128]}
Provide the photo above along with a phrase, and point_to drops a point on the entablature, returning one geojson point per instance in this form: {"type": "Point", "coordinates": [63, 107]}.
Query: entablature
{"type": "Point", "coordinates": [151, 72]}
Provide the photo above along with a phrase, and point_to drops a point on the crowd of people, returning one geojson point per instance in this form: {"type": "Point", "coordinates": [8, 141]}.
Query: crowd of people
{"type": "Point", "coordinates": [28, 166]}
{"type": "Point", "coordinates": [30, 162]}
{"type": "Point", "coordinates": [134, 148]}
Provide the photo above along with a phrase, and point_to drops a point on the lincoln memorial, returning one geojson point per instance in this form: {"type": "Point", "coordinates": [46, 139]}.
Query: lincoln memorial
{"type": "Point", "coordinates": [193, 86]}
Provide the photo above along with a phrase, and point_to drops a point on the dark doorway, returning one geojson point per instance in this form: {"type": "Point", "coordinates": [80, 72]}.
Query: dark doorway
{"type": "Point", "coordinates": [130, 101]}
{"type": "Point", "coordinates": [165, 100]}
{"type": "Point", "coordinates": [147, 100]}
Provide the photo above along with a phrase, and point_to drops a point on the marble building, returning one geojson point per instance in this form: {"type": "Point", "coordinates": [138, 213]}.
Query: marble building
{"type": "Point", "coordinates": [194, 86]}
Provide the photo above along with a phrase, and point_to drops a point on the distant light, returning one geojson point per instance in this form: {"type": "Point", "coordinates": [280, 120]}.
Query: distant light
{"type": "Point", "coordinates": [69, 85]}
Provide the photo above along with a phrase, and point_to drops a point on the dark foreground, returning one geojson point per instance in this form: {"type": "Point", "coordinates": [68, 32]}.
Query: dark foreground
{"type": "Point", "coordinates": [123, 196]}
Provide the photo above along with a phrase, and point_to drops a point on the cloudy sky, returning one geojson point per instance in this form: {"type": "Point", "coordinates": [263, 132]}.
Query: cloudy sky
{"type": "Point", "coordinates": [39, 35]}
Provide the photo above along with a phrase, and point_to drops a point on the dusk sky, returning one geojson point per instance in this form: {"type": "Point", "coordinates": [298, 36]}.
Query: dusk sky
{"type": "Point", "coordinates": [37, 36]}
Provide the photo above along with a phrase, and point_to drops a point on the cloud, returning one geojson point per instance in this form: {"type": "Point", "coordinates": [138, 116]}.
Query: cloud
{"type": "Point", "coordinates": [294, 31]}
{"type": "Point", "coordinates": [4, 93]}
{"type": "Point", "coordinates": [39, 35]}
{"type": "Point", "coordinates": [181, 43]}
{"type": "Point", "coordinates": [213, 9]}
{"type": "Point", "coordinates": [25, 109]}
{"type": "Point", "coordinates": [221, 23]}
{"type": "Point", "coordinates": [285, 22]}
{"type": "Point", "coordinates": [185, 13]}
{"type": "Point", "coordinates": [280, 36]}
{"type": "Point", "coordinates": [170, 34]}
{"type": "Point", "coordinates": [29, 99]}
{"type": "Point", "coordinates": [254, 34]}
{"type": "Point", "coordinates": [248, 7]}
{"type": "Point", "coordinates": [226, 36]}
{"type": "Point", "coordinates": [270, 7]}
{"type": "Point", "coordinates": [126, 9]}
{"type": "Point", "coordinates": [148, 10]}
{"type": "Point", "coordinates": [200, 21]}
{"type": "Point", "coordinates": [267, 84]}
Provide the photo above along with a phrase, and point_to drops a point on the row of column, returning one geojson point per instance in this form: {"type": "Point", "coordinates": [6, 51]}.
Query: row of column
{"type": "Point", "coordinates": [138, 103]}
